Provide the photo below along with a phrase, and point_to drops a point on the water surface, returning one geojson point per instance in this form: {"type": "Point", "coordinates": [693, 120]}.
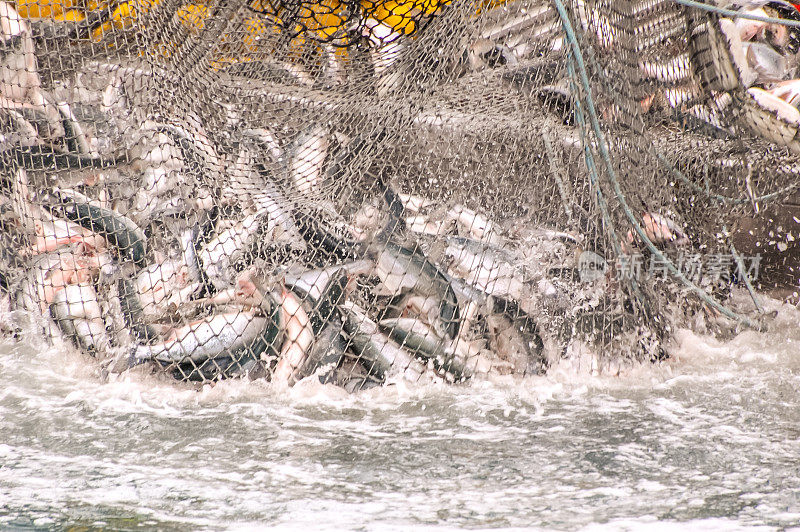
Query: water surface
{"type": "Point", "coordinates": [709, 440]}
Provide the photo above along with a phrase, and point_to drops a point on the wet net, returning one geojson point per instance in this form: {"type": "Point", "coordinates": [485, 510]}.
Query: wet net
{"type": "Point", "coordinates": [365, 191]}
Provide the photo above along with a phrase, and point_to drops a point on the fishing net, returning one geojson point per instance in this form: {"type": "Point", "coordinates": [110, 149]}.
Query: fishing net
{"type": "Point", "coordinates": [362, 192]}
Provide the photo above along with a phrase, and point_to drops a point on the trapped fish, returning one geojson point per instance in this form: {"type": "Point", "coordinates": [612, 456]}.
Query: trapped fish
{"type": "Point", "coordinates": [204, 339]}
{"type": "Point", "coordinates": [76, 311]}
{"type": "Point", "coordinates": [423, 342]}
{"type": "Point", "coordinates": [660, 230]}
{"type": "Point", "coordinates": [401, 268]}
{"type": "Point", "coordinates": [119, 231]}
{"type": "Point", "coordinates": [380, 356]}
{"type": "Point", "coordinates": [304, 327]}
{"type": "Point", "coordinates": [299, 338]}
{"type": "Point", "coordinates": [307, 158]}
{"type": "Point", "coordinates": [766, 62]}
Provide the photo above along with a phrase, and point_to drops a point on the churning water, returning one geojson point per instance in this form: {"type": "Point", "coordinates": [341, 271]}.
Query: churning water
{"type": "Point", "coordinates": [707, 440]}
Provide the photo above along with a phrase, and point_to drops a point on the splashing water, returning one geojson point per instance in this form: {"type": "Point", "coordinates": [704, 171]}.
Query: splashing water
{"type": "Point", "coordinates": [708, 439]}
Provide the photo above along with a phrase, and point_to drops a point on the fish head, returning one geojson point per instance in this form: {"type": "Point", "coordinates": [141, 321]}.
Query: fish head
{"type": "Point", "coordinates": [485, 53]}
{"type": "Point", "coordinates": [245, 288]}
{"type": "Point", "coordinates": [777, 35]}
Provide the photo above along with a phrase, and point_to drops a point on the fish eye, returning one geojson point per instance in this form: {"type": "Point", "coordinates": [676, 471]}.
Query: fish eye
{"type": "Point", "coordinates": [771, 34]}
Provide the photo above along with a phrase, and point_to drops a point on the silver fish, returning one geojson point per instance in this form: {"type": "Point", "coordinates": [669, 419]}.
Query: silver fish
{"type": "Point", "coordinates": [487, 268]}
{"type": "Point", "coordinates": [420, 223]}
{"type": "Point", "coordinates": [74, 136]}
{"type": "Point", "coordinates": [299, 336]}
{"type": "Point", "coordinates": [326, 353]}
{"type": "Point", "coordinates": [194, 267]}
{"type": "Point", "coordinates": [307, 159]}
{"type": "Point", "coordinates": [267, 139]}
{"type": "Point", "coordinates": [77, 312]}
{"type": "Point", "coordinates": [769, 65]}
{"type": "Point", "coordinates": [510, 342]}
{"type": "Point", "coordinates": [204, 339]}
{"type": "Point", "coordinates": [380, 356]}
{"type": "Point", "coordinates": [218, 255]}
{"type": "Point", "coordinates": [422, 341]}
{"type": "Point", "coordinates": [402, 269]}
{"type": "Point", "coordinates": [313, 282]}
{"type": "Point", "coordinates": [52, 233]}
{"type": "Point", "coordinates": [246, 182]}
{"type": "Point", "coordinates": [252, 360]}
{"type": "Point", "coordinates": [118, 230]}
{"type": "Point", "coordinates": [197, 155]}
{"type": "Point", "coordinates": [475, 224]}
{"type": "Point", "coordinates": [414, 203]}
{"type": "Point", "coordinates": [165, 286]}
{"type": "Point", "coordinates": [303, 327]}
{"type": "Point", "coordinates": [132, 313]}
{"type": "Point", "coordinates": [280, 226]}
{"type": "Point", "coordinates": [50, 273]}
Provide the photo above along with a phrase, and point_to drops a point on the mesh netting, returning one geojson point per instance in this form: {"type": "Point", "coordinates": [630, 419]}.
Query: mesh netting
{"type": "Point", "coordinates": [368, 191]}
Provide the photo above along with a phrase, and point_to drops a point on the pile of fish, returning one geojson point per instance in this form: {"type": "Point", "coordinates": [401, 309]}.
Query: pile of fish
{"type": "Point", "coordinates": [152, 241]}
{"type": "Point", "coordinates": [767, 60]}
{"type": "Point", "coordinates": [748, 60]}
{"type": "Point", "coordinates": [234, 287]}
{"type": "Point", "coordinates": [147, 242]}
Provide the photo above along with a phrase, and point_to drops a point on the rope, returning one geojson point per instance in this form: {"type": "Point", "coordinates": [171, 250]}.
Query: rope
{"type": "Point", "coordinates": [602, 146]}
{"type": "Point", "coordinates": [747, 283]}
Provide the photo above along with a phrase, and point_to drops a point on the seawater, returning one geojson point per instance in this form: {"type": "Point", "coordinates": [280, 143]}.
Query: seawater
{"type": "Point", "coordinates": [708, 440]}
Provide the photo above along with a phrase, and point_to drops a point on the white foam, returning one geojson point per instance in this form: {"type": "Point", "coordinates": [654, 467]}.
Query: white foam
{"type": "Point", "coordinates": [710, 432]}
